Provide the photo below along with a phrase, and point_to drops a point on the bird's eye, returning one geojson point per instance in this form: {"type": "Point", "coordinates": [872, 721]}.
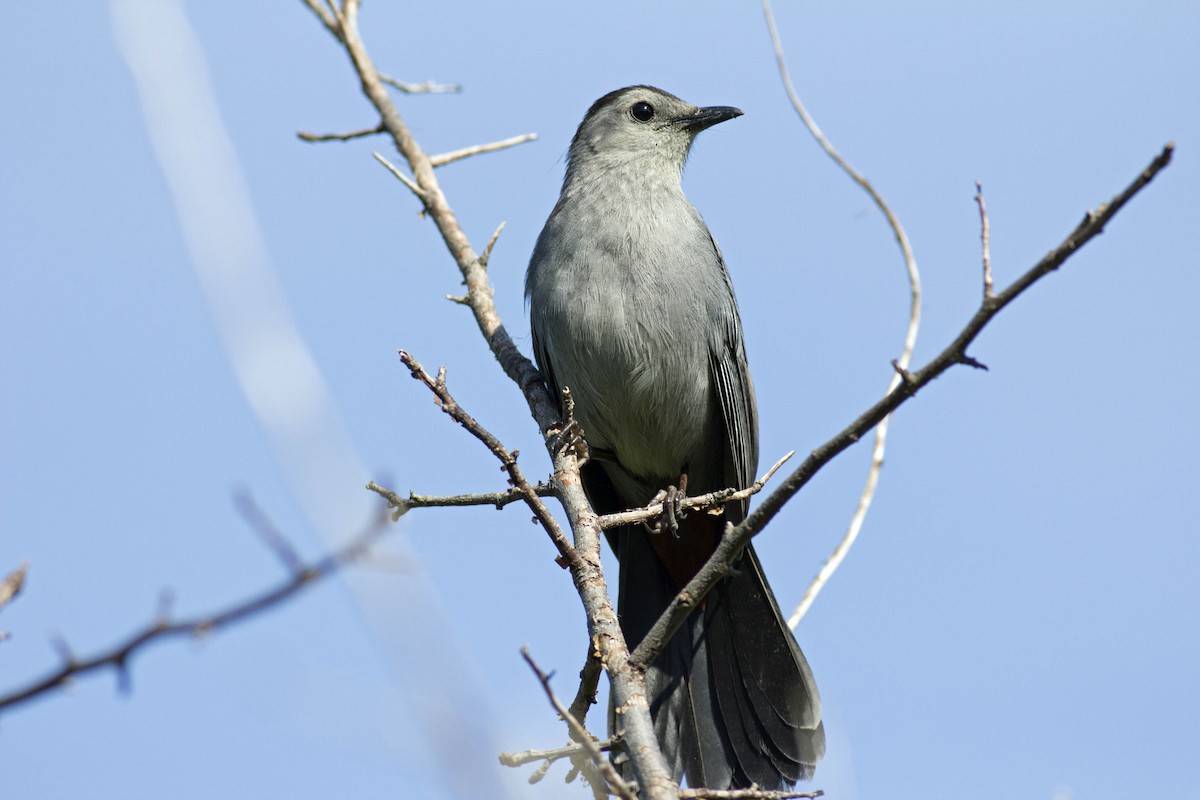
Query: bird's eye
{"type": "Point", "coordinates": [642, 111]}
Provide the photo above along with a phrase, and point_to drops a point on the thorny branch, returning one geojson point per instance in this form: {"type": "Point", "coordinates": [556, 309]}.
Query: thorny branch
{"type": "Point", "coordinates": [162, 628]}
{"type": "Point", "coordinates": [735, 539]}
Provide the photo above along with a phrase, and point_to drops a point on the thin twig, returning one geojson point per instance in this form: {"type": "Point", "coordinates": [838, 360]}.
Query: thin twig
{"type": "Point", "coordinates": [401, 505]}
{"type": "Point", "coordinates": [910, 335]}
{"type": "Point", "coordinates": [428, 87]}
{"type": "Point", "coordinates": [271, 536]}
{"type": "Point", "coordinates": [327, 19]}
{"type": "Point", "coordinates": [985, 240]}
{"type": "Point", "coordinates": [339, 137]}
{"type": "Point", "coordinates": [407, 181]}
{"type": "Point", "coordinates": [585, 698]}
{"type": "Point", "coordinates": [735, 539]}
{"type": "Point", "coordinates": [711, 502]}
{"type": "Point", "coordinates": [581, 735]}
{"type": "Point", "coordinates": [487, 251]}
{"type": "Point", "coordinates": [118, 656]}
{"type": "Point", "coordinates": [457, 155]}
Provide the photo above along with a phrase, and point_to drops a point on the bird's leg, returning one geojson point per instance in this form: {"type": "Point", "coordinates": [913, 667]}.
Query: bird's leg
{"type": "Point", "coordinates": [672, 502]}
{"type": "Point", "coordinates": [571, 435]}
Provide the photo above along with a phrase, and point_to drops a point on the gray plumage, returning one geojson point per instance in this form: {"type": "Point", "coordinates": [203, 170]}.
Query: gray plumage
{"type": "Point", "coordinates": [632, 308]}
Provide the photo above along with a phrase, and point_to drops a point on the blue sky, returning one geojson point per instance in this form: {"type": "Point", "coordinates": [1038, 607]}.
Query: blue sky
{"type": "Point", "coordinates": [1019, 617]}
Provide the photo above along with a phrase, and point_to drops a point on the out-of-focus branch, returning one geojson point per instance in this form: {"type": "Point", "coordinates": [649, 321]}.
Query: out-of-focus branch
{"type": "Point", "coordinates": [10, 587]}
{"type": "Point", "coordinates": [554, 754]}
{"type": "Point", "coordinates": [735, 539]}
{"type": "Point", "coordinates": [910, 336]}
{"type": "Point", "coordinates": [162, 627]}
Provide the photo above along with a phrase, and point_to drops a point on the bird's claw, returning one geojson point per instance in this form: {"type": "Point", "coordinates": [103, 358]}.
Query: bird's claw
{"type": "Point", "coordinates": [570, 439]}
{"type": "Point", "coordinates": [672, 502]}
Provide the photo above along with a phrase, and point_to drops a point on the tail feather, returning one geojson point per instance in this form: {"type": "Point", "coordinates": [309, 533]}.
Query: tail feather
{"type": "Point", "coordinates": [733, 699]}
{"type": "Point", "coordinates": [766, 693]}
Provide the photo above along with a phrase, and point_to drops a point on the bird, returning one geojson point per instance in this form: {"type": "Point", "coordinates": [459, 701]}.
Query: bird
{"type": "Point", "coordinates": [632, 308]}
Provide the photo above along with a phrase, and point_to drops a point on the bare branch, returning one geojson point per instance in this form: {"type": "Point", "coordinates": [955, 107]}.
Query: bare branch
{"type": "Point", "coordinates": [339, 137]}
{"type": "Point", "coordinates": [457, 155]}
{"type": "Point", "coordinates": [580, 734]}
{"type": "Point", "coordinates": [117, 657]}
{"type": "Point", "coordinates": [407, 181]}
{"type": "Point", "coordinates": [711, 502]}
{"type": "Point", "coordinates": [508, 459]}
{"type": "Point", "coordinates": [985, 240]}
{"type": "Point", "coordinates": [589, 679]}
{"type": "Point", "coordinates": [734, 540]}
{"type": "Point", "coordinates": [428, 87]}
{"type": "Point", "coordinates": [910, 335]}
{"type": "Point", "coordinates": [745, 794]}
{"type": "Point", "coordinates": [401, 505]}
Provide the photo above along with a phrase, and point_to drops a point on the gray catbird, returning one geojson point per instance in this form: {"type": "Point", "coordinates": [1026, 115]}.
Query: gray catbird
{"type": "Point", "coordinates": [632, 308]}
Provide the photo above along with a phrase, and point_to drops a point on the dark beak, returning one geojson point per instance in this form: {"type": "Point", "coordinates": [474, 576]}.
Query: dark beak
{"type": "Point", "coordinates": [707, 117]}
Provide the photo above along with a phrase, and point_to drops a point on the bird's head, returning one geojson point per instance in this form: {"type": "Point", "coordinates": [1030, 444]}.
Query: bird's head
{"type": "Point", "coordinates": [640, 127]}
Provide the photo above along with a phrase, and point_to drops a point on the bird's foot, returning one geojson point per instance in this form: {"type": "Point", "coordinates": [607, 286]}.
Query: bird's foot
{"type": "Point", "coordinates": [570, 440]}
{"type": "Point", "coordinates": [672, 499]}
{"type": "Point", "coordinates": [570, 436]}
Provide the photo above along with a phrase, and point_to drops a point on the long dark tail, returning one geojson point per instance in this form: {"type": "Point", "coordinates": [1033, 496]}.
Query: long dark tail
{"type": "Point", "coordinates": [733, 699]}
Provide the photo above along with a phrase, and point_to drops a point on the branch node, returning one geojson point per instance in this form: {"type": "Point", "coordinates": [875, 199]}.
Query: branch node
{"type": "Point", "coordinates": [904, 374]}
{"type": "Point", "coordinates": [421, 194]}
{"type": "Point", "coordinates": [394, 501]}
{"type": "Point", "coordinates": [963, 358]}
